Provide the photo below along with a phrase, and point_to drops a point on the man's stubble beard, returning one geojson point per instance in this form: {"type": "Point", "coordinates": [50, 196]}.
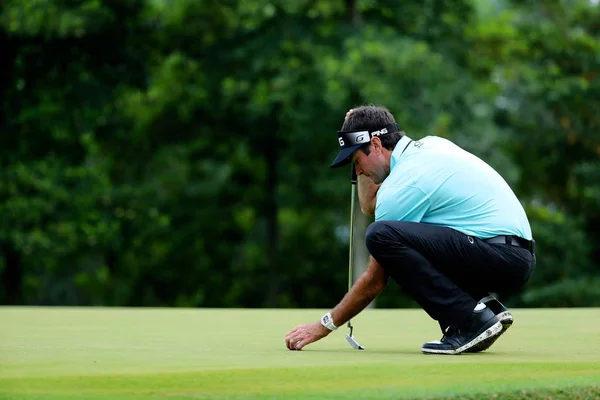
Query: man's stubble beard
{"type": "Point", "coordinates": [380, 174]}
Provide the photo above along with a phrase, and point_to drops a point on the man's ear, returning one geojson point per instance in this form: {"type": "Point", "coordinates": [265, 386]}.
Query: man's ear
{"type": "Point", "coordinates": [376, 145]}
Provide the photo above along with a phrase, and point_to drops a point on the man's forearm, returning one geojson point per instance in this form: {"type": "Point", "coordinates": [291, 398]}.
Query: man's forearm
{"type": "Point", "coordinates": [367, 287]}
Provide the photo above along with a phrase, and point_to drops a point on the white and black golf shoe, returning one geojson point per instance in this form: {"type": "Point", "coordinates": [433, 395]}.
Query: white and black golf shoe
{"type": "Point", "coordinates": [503, 315]}
{"type": "Point", "coordinates": [482, 325]}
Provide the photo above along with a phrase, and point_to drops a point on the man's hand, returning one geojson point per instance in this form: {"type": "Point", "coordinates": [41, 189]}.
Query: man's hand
{"type": "Point", "coordinates": [305, 334]}
{"type": "Point", "coordinates": [367, 287]}
{"type": "Point", "coordinates": [367, 194]}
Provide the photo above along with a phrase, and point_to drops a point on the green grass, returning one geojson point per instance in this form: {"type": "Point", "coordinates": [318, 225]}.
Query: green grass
{"type": "Point", "coordinates": [93, 353]}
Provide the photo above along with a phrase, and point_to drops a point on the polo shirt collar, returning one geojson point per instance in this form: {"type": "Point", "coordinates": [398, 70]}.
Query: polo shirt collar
{"type": "Point", "coordinates": [398, 151]}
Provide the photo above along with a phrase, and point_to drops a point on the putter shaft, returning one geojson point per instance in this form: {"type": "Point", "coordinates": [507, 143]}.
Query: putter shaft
{"type": "Point", "coordinates": [353, 180]}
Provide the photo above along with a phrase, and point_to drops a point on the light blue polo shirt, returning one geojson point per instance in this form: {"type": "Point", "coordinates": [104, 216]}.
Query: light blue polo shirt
{"type": "Point", "coordinates": [436, 182]}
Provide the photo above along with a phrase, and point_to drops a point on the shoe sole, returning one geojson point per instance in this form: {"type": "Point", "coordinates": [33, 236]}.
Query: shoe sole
{"type": "Point", "coordinates": [506, 319]}
{"type": "Point", "coordinates": [489, 333]}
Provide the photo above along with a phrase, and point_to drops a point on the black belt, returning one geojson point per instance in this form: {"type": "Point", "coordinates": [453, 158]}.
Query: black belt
{"type": "Point", "coordinates": [513, 241]}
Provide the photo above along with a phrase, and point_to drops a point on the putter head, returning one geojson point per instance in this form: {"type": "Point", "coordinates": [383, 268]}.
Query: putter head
{"type": "Point", "coordinates": [353, 342]}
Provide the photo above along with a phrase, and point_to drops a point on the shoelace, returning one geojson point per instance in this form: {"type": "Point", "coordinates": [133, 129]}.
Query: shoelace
{"type": "Point", "coordinates": [449, 332]}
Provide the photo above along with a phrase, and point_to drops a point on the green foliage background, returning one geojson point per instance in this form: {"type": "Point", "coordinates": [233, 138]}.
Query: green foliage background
{"type": "Point", "coordinates": [175, 153]}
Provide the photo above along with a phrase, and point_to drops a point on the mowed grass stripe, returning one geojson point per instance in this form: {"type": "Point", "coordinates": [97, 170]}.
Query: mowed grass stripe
{"type": "Point", "coordinates": [420, 380]}
{"type": "Point", "coordinates": [360, 382]}
{"type": "Point", "coordinates": [175, 353]}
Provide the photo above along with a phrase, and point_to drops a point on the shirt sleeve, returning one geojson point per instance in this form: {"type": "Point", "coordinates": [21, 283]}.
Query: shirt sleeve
{"type": "Point", "coordinates": [401, 203]}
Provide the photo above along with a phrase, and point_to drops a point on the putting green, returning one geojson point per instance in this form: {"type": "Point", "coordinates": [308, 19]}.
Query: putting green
{"type": "Point", "coordinates": [117, 353]}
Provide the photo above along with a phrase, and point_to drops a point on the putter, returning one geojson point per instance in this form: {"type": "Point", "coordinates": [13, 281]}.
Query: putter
{"type": "Point", "coordinates": [353, 180]}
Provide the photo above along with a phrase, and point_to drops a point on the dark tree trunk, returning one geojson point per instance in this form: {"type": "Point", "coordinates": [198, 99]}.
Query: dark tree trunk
{"type": "Point", "coordinates": [271, 210]}
{"type": "Point", "coordinates": [12, 275]}
{"type": "Point", "coordinates": [352, 10]}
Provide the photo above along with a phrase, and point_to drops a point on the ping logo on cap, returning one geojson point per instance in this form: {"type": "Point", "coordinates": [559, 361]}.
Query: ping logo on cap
{"type": "Point", "coordinates": [350, 141]}
{"type": "Point", "coordinates": [379, 132]}
{"type": "Point", "coordinates": [353, 138]}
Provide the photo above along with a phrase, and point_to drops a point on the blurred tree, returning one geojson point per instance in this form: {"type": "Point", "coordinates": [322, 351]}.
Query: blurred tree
{"type": "Point", "coordinates": [58, 211]}
{"type": "Point", "coordinates": [176, 153]}
{"type": "Point", "coordinates": [542, 60]}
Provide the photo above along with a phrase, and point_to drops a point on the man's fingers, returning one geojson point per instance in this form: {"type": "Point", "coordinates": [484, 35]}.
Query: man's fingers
{"type": "Point", "coordinates": [295, 343]}
{"type": "Point", "coordinates": [301, 336]}
{"type": "Point", "coordinates": [291, 333]}
{"type": "Point", "coordinates": [291, 344]}
{"type": "Point", "coordinates": [292, 338]}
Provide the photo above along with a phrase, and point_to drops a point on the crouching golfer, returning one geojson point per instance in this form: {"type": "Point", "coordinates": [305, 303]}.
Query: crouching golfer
{"type": "Point", "coordinates": [448, 229]}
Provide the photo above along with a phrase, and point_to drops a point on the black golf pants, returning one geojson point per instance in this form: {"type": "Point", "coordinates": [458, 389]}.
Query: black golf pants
{"type": "Point", "coordinates": [445, 271]}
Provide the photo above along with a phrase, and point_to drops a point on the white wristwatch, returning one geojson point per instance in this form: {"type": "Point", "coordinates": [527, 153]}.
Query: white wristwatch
{"type": "Point", "coordinates": [327, 322]}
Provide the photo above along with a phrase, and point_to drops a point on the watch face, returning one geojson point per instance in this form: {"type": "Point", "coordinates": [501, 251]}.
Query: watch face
{"type": "Point", "coordinates": [326, 319]}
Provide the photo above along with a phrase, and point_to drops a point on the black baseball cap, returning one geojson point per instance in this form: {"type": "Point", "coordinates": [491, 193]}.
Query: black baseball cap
{"type": "Point", "coordinates": [350, 141]}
